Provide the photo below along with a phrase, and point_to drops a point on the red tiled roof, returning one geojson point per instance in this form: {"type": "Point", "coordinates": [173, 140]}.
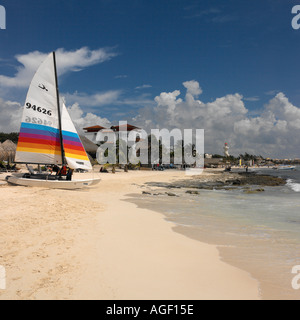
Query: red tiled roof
{"type": "Point", "coordinates": [94, 129]}
{"type": "Point", "coordinates": [127, 127]}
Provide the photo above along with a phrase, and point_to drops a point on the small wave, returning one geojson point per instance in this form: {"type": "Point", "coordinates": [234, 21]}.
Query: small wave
{"type": "Point", "coordinates": [294, 186]}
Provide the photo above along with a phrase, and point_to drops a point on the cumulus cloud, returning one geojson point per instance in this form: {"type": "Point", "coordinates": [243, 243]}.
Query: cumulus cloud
{"type": "Point", "coordinates": [193, 88]}
{"type": "Point", "coordinates": [94, 100]}
{"type": "Point", "coordinates": [66, 61]}
{"type": "Point", "coordinates": [84, 120]}
{"type": "Point", "coordinates": [274, 133]}
{"type": "Point", "coordinates": [10, 116]}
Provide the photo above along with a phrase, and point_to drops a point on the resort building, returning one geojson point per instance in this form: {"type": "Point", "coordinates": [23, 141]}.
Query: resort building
{"type": "Point", "coordinates": [110, 133]}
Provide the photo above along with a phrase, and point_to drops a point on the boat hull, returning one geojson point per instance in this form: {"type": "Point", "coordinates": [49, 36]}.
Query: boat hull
{"type": "Point", "coordinates": [50, 184]}
{"type": "Point", "coordinates": [286, 168]}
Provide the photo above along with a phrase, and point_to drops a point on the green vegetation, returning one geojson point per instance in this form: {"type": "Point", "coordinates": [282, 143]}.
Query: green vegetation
{"type": "Point", "coordinates": [9, 136]}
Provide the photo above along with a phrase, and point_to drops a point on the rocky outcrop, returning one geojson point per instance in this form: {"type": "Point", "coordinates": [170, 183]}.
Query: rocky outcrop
{"type": "Point", "coordinates": [223, 181]}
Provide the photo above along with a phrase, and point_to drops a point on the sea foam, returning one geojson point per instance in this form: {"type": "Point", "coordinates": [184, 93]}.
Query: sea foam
{"type": "Point", "coordinates": [294, 186]}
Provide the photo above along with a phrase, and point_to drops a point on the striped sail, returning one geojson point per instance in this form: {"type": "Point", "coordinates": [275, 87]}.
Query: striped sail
{"type": "Point", "coordinates": [39, 140]}
{"type": "Point", "coordinates": [75, 153]}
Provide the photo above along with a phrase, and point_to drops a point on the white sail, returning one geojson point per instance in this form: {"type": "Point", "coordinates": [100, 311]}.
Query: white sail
{"type": "Point", "coordinates": [75, 153]}
{"type": "Point", "coordinates": [39, 140]}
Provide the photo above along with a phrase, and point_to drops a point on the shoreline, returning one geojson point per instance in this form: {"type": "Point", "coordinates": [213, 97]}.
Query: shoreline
{"type": "Point", "coordinates": [93, 244]}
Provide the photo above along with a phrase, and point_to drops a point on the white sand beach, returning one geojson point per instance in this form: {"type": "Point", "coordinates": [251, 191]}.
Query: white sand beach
{"type": "Point", "coordinates": [91, 244]}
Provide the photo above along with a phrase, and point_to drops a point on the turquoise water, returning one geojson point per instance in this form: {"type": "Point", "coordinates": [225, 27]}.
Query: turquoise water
{"type": "Point", "coordinates": [259, 233]}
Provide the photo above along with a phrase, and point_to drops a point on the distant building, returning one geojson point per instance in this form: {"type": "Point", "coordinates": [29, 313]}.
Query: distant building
{"type": "Point", "coordinates": [213, 162]}
{"type": "Point", "coordinates": [91, 132]}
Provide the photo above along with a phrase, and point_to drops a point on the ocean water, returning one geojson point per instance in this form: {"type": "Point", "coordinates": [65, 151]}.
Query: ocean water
{"type": "Point", "coordinates": [259, 233]}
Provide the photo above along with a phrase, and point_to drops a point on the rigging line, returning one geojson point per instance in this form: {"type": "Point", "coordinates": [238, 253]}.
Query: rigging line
{"type": "Point", "coordinates": [59, 112]}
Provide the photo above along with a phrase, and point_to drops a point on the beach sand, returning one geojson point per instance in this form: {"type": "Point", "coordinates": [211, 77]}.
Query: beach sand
{"type": "Point", "coordinates": [91, 244]}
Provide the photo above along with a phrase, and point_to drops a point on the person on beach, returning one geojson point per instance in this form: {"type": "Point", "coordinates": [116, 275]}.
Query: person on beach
{"type": "Point", "coordinates": [69, 174]}
{"type": "Point", "coordinates": [62, 172]}
{"type": "Point", "coordinates": [55, 169]}
{"type": "Point", "coordinates": [103, 170]}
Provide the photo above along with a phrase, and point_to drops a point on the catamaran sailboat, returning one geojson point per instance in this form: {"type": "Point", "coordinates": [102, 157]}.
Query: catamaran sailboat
{"type": "Point", "coordinates": [48, 135]}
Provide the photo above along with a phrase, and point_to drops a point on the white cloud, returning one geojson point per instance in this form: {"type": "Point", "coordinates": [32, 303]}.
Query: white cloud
{"type": "Point", "coordinates": [10, 116]}
{"type": "Point", "coordinates": [271, 92]}
{"type": "Point", "coordinates": [193, 88]}
{"type": "Point", "coordinates": [83, 120]}
{"type": "Point", "coordinates": [112, 97]}
{"type": "Point", "coordinates": [95, 100]}
{"type": "Point", "coordinates": [168, 101]}
{"type": "Point", "coordinates": [144, 86]}
{"type": "Point", "coordinates": [66, 61]}
{"type": "Point", "coordinates": [274, 133]}
{"type": "Point", "coordinates": [252, 99]}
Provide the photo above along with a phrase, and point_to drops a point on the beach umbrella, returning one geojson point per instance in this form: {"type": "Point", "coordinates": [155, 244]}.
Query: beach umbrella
{"type": "Point", "coordinates": [10, 148]}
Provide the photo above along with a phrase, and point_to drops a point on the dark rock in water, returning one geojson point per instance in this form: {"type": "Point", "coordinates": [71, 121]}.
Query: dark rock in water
{"type": "Point", "coordinates": [171, 194]}
{"type": "Point", "coordinates": [254, 191]}
{"type": "Point", "coordinates": [225, 188]}
{"type": "Point", "coordinates": [164, 185]}
{"type": "Point", "coordinates": [261, 180]}
{"type": "Point", "coordinates": [173, 186]}
{"type": "Point", "coordinates": [234, 182]}
{"type": "Point", "coordinates": [222, 181]}
{"type": "Point", "coordinates": [192, 192]}
{"type": "Point", "coordinates": [148, 193]}
{"type": "Point", "coordinates": [230, 189]}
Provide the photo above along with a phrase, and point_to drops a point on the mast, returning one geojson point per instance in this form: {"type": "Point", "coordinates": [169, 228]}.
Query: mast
{"type": "Point", "coordinates": [59, 113]}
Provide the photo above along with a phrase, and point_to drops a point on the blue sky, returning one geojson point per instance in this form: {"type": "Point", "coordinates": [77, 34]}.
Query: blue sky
{"type": "Point", "coordinates": [229, 47]}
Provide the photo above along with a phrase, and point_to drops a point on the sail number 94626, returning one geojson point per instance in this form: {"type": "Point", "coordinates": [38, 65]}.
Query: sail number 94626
{"type": "Point", "coordinates": [38, 109]}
